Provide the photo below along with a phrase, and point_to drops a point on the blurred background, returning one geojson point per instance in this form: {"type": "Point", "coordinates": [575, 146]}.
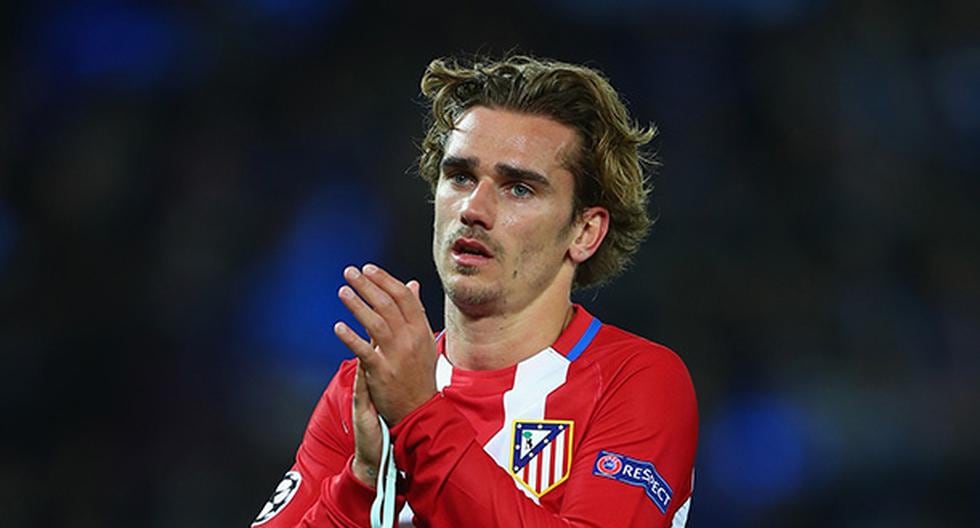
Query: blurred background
{"type": "Point", "coordinates": [182, 183]}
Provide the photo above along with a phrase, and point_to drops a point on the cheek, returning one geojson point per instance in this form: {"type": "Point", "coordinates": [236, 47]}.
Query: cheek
{"type": "Point", "coordinates": [443, 212]}
{"type": "Point", "coordinates": [537, 241]}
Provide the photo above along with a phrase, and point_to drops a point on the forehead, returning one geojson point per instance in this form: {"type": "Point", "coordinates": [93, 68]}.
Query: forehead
{"type": "Point", "coordinates": [502, 136]}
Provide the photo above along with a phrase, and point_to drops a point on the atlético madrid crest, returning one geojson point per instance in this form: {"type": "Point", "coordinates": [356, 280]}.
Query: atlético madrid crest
{"type": "Point", "coordinates": [541, 455]}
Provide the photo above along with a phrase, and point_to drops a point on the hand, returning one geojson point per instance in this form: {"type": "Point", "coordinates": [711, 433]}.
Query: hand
{"type": "Point", "coordinates": [400, 370]}
{"type": "Point", "coordinates": [367, 432]}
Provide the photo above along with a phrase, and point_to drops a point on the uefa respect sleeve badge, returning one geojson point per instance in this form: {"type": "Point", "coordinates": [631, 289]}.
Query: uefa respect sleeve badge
{"type": "Point", "coordinates": [635, 473]}
{"type": "Point", "coordinates": [541, 454]}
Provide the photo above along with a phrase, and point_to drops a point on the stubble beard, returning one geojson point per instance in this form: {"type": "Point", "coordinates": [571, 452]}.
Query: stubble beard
{"type": "Point", "coordinates": [473, 298]}
{"type": "Point", "coordinates": [483, 299]}
{"type": "Point", "coordinates": [470, 296]}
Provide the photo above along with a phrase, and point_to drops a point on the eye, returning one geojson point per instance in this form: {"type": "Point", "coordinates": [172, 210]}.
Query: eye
{"type": "Point", "coordinates": [458, 178]}
{"type": "Point", "coordinates": [521, 190]}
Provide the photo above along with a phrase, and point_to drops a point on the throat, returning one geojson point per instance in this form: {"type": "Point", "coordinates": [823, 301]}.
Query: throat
{"type": "Point", "coordinates": [496, 342]}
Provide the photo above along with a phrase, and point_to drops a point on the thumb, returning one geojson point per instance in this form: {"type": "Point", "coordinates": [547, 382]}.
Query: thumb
{"type": "Point", "coordinates": [362, 397]}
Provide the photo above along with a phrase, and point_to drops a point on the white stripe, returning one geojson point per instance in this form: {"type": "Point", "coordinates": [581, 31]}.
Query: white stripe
{"type": "Point", "coordinates": [558, 466]}
{"type": "Point", "coordinates": [532, 472]}
{"type": "Point", "coordinates": [444, 372]}
{"type": "Point", "coordinates": [545, 468]}
{"type": "Point", "coordinates": [536, 377]}
{"type": "Point", "coordinates": [680, 516]}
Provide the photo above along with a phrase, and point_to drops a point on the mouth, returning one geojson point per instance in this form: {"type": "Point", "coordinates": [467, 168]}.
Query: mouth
{"type": "Point", "coordinates": [470, 252]}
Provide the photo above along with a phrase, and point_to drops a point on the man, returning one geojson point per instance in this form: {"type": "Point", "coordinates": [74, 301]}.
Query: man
{"type": "Point", "coordinates": [526, 410]}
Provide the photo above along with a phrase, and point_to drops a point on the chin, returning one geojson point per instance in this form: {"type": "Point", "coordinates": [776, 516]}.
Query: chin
{"type": "Point", "coordinates": [469, 294]}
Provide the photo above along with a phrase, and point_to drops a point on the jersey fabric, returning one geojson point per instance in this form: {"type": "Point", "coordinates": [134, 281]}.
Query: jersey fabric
{"type": "Point", "coordinates": [597, 430]}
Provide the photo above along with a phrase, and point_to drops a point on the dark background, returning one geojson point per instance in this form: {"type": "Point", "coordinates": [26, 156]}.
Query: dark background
{"type": "Point", "coordinates": [181, 185]}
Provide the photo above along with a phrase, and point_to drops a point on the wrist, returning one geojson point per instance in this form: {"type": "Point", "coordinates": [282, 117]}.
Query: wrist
{"type": "Point", "coordinates": [366, 473]}
{"type": "Point", "coordinates": [399, 414]}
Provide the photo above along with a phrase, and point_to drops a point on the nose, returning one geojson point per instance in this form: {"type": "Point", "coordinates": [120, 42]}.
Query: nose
{"type": "Point", "coordinates": [480, 207]}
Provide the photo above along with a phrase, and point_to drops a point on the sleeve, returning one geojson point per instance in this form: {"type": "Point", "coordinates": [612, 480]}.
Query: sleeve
{"type": "Point", "coordinates": [635, 465]}
{"type": "Point", "coordinates": [320, 489]}
{"type": "Point", "coordinates": [646, 416]}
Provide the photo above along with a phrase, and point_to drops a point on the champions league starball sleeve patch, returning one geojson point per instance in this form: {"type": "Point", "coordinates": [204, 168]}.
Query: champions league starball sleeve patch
{"type": "Point", "coordinates": [280, 498]}
{"type": "Point", "coordinates": [635, 473]}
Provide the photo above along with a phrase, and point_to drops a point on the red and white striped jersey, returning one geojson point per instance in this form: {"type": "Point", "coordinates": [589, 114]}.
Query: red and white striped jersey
{"type": "Point", "coordinates": [598, 429]}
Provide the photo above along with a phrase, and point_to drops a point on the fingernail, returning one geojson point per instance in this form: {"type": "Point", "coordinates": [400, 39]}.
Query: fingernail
{"type": "Point", "coordinates": [346, 292]}
{"type": "Point", "coordinates": [352, 272]}
{"type": "Point", "coordinates": [370, 268]}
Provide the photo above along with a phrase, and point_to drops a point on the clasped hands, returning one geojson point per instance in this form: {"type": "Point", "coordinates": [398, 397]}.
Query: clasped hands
{"type": "Point", "coordinates": [396, 368]}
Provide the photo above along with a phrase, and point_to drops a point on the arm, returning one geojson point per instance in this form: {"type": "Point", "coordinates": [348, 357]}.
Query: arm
{"type": "Point", "coordinates": [320, 489]}
{"type": "Point", "coordinates": [648, 416]}
{"type": "Point", "coordinates": [648, 413]}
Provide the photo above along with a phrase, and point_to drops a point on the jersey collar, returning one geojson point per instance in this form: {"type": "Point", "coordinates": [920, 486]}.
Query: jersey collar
{"type": "Point", "coordinates": [576, 337]}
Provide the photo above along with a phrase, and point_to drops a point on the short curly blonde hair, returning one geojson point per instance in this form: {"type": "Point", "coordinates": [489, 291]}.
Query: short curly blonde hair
{"type": "Point", "coordinates": [610, 167]}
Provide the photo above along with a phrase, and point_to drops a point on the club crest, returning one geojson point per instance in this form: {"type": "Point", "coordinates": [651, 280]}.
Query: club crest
{"type": "Point", "coordinates": [541, 454]}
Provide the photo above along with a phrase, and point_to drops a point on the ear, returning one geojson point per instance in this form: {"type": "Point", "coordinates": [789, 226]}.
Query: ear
{"type": "Point", "coordinates": [590, 231]}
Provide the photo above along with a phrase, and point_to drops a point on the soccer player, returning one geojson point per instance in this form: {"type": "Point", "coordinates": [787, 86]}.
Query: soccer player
{"type": "Point", "coordinates": [526, 410]}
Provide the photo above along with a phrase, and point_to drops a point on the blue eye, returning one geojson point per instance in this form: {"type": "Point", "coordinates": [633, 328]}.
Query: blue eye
{"type": "Point", "coordinates": [520, 190]}
{"type": "Point", "coordinates": [459, 178]}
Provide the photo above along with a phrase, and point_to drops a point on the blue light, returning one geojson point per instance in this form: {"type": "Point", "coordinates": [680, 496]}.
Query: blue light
{"type": "Point", "coordinates": [755, 452]}
{"type": "Point", "coordinates": [292, 309]}
{"type": "Point", "coordinates": [128, 47]}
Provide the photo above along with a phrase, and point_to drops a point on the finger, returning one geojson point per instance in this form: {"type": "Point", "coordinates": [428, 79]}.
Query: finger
{"type": "Point", "coordinates": [375, 324]}
{"type": "Point", "coordinates": [362, 349]}
{"type": "Point", "coordinates": [375, 296]}
{"type": "Point", "coordinates": [416, 288]}
{"type": "Point", "coordinates": [407, 301]}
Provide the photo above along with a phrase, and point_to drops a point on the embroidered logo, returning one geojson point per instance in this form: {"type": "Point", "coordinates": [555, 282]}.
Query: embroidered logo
{"type": "Point", "coordinates": [636, 473]}
{"type": "Point", "coordinates": [541, 454]}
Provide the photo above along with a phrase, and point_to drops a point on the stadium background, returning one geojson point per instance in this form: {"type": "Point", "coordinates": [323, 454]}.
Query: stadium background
{"type": "Point", "coordinates": [182, 183]}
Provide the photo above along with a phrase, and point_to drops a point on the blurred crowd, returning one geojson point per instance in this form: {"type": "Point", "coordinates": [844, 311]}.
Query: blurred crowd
{"type": "Point", "coordinates": [182, 184]}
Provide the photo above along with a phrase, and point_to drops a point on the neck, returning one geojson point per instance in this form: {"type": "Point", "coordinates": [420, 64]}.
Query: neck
{"type": "Point", "coordinates": [499, 340]}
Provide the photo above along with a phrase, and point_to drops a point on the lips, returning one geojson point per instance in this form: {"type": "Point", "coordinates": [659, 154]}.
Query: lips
{"type": "Point", "coordinates": [470, 252]}
{"type": "Point", "coordinates": [470, 246]}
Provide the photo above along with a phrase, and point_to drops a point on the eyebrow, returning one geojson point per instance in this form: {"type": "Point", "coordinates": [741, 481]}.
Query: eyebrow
{"type": "Point", "coordinates": [517, 173]}
{"type": "Point", "coordinates": [509, 171]}
{"type": "Point", "coordinates": [458, 162]}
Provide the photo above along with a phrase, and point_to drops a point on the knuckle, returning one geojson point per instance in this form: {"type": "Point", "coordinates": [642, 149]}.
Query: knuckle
{"type": "Point", "coordinates": [374, 324]}
{"type": "Point", "coordinates": [402, 292]}
{"type": "Point", "coordinates": [384, 333]}
{"type": "Point", "coordinates": [379, 330]}
{"type": "Point", "coordinates": [384, 302]}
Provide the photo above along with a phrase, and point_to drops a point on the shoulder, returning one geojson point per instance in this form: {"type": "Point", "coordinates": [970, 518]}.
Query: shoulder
{"type": "Point", "coordinates": [628, 366]}
{"type": "Point", "coordinates": [615, 348]}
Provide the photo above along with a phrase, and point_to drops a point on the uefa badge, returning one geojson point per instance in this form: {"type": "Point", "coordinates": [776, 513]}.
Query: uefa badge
{"type": "Point", "coordinates": [541, 454]}
{"type": "Point", "coordinates": [280, 498]}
